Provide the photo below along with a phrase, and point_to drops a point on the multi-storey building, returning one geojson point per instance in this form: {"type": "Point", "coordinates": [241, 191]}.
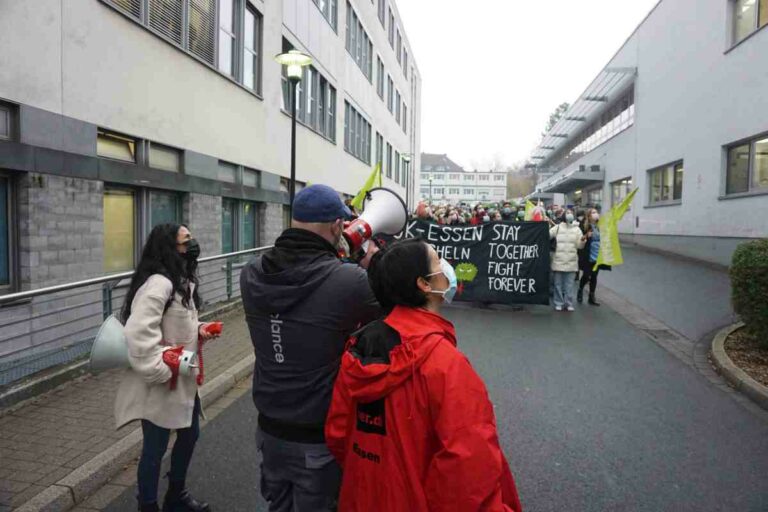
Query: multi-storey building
{"type": "Point", "coordinates": [443, 180]}
{"type": "Point", "coordinates": [116, 115]}
{"type": "Point", "coordinates": [680, 112]}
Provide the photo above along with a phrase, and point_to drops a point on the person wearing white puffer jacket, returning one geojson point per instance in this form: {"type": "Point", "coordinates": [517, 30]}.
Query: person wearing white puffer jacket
{"type": "Point", "coordinates": [565, 259]}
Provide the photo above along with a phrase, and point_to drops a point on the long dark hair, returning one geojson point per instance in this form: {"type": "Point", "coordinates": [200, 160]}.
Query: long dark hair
{"type": "Point", "coordinates": [394, 270]}
{"type": "Point", "coordinates": [160, 256]}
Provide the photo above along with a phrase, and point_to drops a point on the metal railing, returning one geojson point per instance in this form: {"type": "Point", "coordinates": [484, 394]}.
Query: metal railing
{"type": "Point", "coordinates": [56, 325]}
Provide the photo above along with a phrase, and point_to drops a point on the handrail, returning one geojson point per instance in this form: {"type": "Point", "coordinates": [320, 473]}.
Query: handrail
{"type": "Point", "coordinates": [13, 297]}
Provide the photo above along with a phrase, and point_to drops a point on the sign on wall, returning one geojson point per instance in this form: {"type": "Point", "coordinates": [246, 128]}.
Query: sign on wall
{"type": "Point", "coordinates": [500, 262]}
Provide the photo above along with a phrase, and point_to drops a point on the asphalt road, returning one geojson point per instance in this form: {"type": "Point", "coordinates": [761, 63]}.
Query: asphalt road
{"type": "Point", "coordinates": [692, 298]}
{"type": "Point", "coordinates": [592, 414]}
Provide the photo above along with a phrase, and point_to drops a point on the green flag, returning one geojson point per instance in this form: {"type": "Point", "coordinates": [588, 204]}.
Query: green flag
{"type": "Point", "coordinates": [610, 248]}
{"type": "Point", "coordinates": [529, 206]}
{"type": "Point", "coordinates": [370, 183]}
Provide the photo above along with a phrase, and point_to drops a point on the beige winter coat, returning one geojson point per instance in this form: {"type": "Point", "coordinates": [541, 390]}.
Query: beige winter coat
{"type": "Point", "coordinates": [565, 258]}
{"type": "Point", "coordinates": [144, 392]}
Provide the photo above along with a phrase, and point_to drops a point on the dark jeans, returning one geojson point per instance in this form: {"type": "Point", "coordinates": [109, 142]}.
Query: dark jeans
{"type": "Point", "coordinates": [590, 276]}
{"type": "Point", "coordinates": [155, 443]}
{"type": "Point", "coordinates": [297, 477]}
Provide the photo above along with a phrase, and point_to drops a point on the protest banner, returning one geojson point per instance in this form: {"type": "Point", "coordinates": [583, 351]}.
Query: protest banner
{"type": "Point", "coordinates": [499, 262]}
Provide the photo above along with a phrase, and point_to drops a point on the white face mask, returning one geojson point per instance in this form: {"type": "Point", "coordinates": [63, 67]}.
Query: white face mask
{"type": "Point", "coordinates": [447, 270]}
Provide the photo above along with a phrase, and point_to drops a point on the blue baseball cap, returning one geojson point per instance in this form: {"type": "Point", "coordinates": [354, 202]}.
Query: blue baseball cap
{"type": "Point", "coordinates": [319, 203]}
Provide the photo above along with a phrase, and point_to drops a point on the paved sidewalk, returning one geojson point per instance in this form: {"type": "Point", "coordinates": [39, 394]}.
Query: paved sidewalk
{"type": "Point", "coordinates": [48, 438]}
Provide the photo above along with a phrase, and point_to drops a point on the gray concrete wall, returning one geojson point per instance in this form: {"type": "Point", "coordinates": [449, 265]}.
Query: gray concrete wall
{"type": "Point", "coordinates": [718, 251]}
{"type": "Point", "coordinates": [61, 229]}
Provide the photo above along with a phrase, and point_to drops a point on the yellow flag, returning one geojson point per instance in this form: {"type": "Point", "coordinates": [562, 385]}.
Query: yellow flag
{"type": "Point", "coordinates": [610, 248]}
{"type": "Point", "coordinates": [370, 183]}
{"type": "Point", "coordinates": [529, 206]}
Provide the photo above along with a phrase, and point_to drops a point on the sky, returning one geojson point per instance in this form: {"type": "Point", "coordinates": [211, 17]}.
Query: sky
{"type": "Point", "coordinates": [493, 70]}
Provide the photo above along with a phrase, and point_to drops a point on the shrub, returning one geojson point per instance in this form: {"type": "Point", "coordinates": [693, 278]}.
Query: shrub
{"type": "Point", "coordinates": [749, 287]}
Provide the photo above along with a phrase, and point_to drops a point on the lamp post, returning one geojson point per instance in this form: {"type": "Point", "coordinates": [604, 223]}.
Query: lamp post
{"type": "Point", "coordinates": [407, 161]}
{"type": "Point", "coordinates": [295, 62]}
{"type": "Point", "coordinates": [430, 190]}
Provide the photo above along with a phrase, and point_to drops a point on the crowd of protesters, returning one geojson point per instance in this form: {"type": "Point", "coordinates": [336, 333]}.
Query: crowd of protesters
{"type": "Point", "coordinates": [574, 248]}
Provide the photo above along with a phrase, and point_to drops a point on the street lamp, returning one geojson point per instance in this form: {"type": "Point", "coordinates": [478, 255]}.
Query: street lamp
{"type": "Point", "coordinates": [407, 161]}
{"type": "Point", "coordinates": [430, 190]}
{"type": "Point", "coordinates": [295, 62]}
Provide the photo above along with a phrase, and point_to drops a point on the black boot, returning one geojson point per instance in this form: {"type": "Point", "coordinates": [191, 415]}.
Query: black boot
{"type": "Point", "coordinates": [178, 499]}
{"type": "Point", "coordinates": [152, 507]}
{"type": "Point", "coordinates": [580, 295]}
{"type": "Point", "coordinates": [592, 300]}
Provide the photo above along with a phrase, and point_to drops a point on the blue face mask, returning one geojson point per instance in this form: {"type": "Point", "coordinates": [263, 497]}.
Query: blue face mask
{"type": "Point", "coordinates": [447, 270]}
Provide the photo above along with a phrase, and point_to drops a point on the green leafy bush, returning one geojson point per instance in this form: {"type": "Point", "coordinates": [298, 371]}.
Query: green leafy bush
{"type": "Point", "coordinates": [749, 287]}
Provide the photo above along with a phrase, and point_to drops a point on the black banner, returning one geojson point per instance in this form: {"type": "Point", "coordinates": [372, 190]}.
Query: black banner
{"type": "Point", "coordinates": [499, 262]}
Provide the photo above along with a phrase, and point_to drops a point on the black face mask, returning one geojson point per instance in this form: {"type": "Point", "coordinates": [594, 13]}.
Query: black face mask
{"type": "Point", "coordinates": [193, 250]}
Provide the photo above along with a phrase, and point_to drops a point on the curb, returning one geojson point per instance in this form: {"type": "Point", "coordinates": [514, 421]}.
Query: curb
{"type": "Point", "coordinates": [732, 373]}
{"type": "Point", "coordinates": [91, 476]}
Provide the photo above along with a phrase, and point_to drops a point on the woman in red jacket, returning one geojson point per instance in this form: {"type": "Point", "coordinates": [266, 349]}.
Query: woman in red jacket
{"type": "Point", "coordinates": [410, 422]}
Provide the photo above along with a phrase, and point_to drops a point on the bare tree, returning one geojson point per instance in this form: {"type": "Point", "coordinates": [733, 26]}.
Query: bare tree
{"type": "Point", "coordinates": [555, 116]}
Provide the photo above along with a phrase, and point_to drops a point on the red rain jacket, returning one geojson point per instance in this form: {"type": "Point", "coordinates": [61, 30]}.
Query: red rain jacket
{"type": "Point", "coordinates": [411, 423]}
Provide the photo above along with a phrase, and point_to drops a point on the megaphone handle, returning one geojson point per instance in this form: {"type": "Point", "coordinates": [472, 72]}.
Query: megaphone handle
{"type": "Point", "coordinates": [201, 371]}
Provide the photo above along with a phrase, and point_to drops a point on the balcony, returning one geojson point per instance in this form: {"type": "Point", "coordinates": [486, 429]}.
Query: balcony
{"type": "Point", "coordinates": [574, 179]}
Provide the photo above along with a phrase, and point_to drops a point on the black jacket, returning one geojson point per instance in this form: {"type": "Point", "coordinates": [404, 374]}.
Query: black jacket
{"type": "Point", "coordinates": [301, 304]}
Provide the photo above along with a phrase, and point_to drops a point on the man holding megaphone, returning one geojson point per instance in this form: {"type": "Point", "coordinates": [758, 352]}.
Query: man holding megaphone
{"type": "Point", "coordinates": [301, 303]}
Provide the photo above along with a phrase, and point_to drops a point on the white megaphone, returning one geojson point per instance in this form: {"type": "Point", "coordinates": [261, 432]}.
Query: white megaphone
{"type": "Point", "coordinates": [384, 213]}
{"type": "Point", "coordinates": [110, 350]}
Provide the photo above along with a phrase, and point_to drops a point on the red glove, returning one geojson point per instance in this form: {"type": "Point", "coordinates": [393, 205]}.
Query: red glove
{"type": "Point", "coordinates": [213, 328]}
{"type": "Point", "coordinates": [172, 358]}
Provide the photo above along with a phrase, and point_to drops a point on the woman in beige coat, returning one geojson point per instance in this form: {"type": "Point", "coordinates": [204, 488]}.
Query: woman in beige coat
{"type": "Point", "coordinates": [160, 312]}
{"type": "Point", "coordinates": [565, 260]}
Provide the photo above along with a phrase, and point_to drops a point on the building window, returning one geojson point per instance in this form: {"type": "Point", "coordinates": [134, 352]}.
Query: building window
{"type": "Point", "coordinates": [747, 167]}
{"type": "Point", "coordinates": [498, 178]}
{"type": "Point", "coordinates": [397, 167]}
{"type": "Point", "coordinates": [130, 7]}
{"type": "Point", "coordinates": [453, 191]}
{"type": "Point", "coordinates": [424, 176]}
{"type": "Point", "coordinates": [191, 25]}
{"type": "Point", "coordinates": [454, 176]}
{"type": "Point", "coordinates": [119, 230]}
{"type": "Point", "coordinates": [330, 9]}
{"type": "Point", "coordinates": [315, 100]}
{"type": "Point", "coordinates": [397, 107]}
{"type": "Point", "coordinates": [390, 95]}
{"type": "Point", "coordinates": [5, 122]}
{"type": "Point", "coordinates": [405, 118]}
{"type": "Point", "coordinates": [438, 191]}
{"type": "Point", "coordinates": [389, 161]}
{"type": "Point", "coordinates": [379, 149]}
{"type": "Point", "coordinates": [620, 190]}
{"type": "Point", "coordinates": [249, 229]}
{"type": "Point", "coordinates": [167, 17]}
{"type": "Point", "coordinates": [748, 16]}
{"type": "Point", "coordinates": [468, 191]}
{"type": "Point", "coordinates": [6, 223]}
{"type": "Point", "coordinates": [399, 48]}
{"type": "Point", "coordinates": [227, 37]}
{"type": "Point", "coordinates": [202, 29]}
{"type": "Point", "coordinates": [483, 178]}
{"type": "Point", "coordinates": [116, 147]}
{"type": "Point", "coordinates": [391, 29]}
{"type": "Point", "coordinates": [382, 12]}
{"type": "Point", "coordinates": [164, 157]}
{"type": "Point", "coordinates": [424, 191]}
{"type": "Point", "coordinates": [227, 172]}
{"type": "Point", "coordinates": [357, 134]}
{"type": "Point", "coordinates": [251, 178]}
{"type": "Point", "coordinates": [252, 50]}
{"type": "Point", "coordinates": [227, 225]}
{"type": "Point", "coordinates": [405, 63]}
{"type": "Point", "coordinates": [165, 207]}
{"type": "Point", "coordinates": [359, 44]}
{"type": "Point", "coordinates": [380, 77]}
{"type": "Point", "coordinates": [666, 184]}
{"type": "Point", "coordinates": [469, 177]}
